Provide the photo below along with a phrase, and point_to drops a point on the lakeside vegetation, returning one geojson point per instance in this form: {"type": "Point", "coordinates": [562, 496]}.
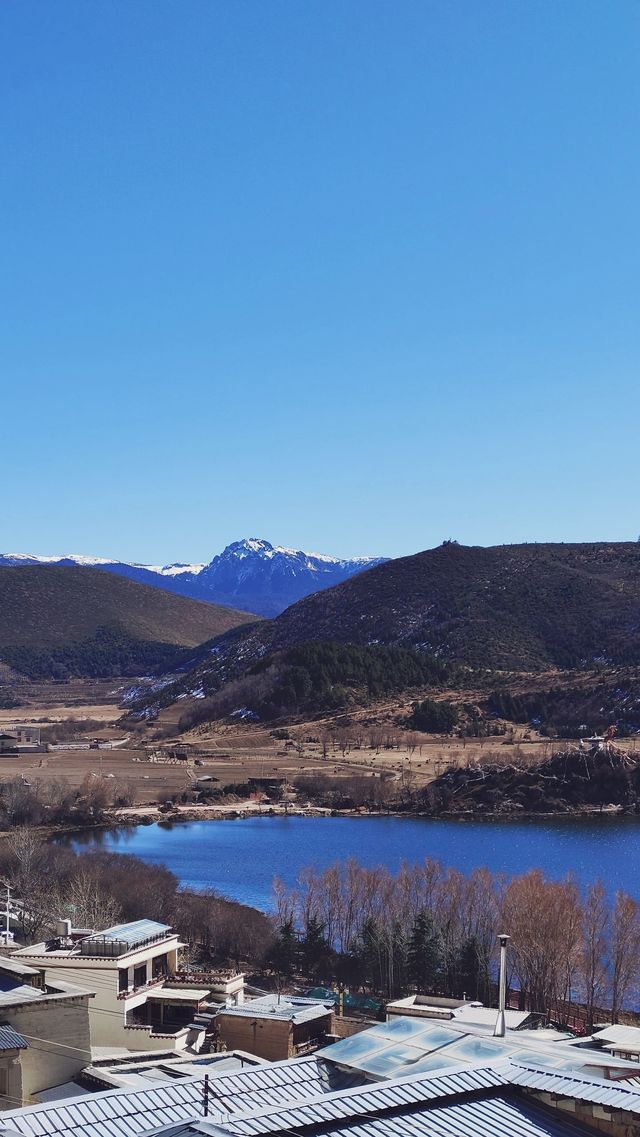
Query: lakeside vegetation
{"type": "Point", "coordinates": [425, 928]}
{"type": "Point", "coordinates": [571, 779]}
{"type": "Point", "coordinates": [433, 929]}
{"type": "Point", "coordinates": [98, 889]}
{"type": "Point", "coordinates": [53, 802]}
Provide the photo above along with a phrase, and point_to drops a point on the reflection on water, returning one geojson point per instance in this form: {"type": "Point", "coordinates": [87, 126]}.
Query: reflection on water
{"type": "Point", "coordinates": [240, 858]}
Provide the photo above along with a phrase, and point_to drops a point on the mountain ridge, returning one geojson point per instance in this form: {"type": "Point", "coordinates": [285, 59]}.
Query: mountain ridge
{"type": "Point", "coordinates": [250, 575]}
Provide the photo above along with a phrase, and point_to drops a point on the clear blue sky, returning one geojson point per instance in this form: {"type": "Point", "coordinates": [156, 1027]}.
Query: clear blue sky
{"type": "Point", "coordinates": [353, 276]}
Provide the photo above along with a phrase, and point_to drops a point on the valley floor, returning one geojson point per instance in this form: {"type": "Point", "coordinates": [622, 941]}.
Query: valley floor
{"type": "Point", "coordinates": [141, 759]}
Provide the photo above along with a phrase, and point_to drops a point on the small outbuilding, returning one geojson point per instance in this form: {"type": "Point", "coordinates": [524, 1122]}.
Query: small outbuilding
{"type": "Point", "coordinates": [275, 1027]}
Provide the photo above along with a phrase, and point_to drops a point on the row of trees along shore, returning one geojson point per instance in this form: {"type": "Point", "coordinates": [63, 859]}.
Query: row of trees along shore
{"type": "Point", "coordinates": [433, 929]}
{"type": "Point", "coordinates": [97, 889]}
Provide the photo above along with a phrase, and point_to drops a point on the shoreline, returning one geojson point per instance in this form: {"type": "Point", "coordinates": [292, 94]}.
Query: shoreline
{"type": "Point", "coordinates": [133, 817]}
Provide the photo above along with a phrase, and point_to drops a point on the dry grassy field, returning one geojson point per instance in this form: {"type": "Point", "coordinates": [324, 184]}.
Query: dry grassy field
{"type": "Point", "coordinates": [372, 746]}
{"type": "Point", "coordinates": [227, 753]}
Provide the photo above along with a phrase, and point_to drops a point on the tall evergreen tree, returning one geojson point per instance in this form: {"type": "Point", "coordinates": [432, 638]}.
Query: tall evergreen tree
{"type": "Point", "coordinates": [424, 953]}
{"type": "Point", "coordinates": [469, 972]}
{"type": "Point", "coordinates": [283, 954]}
{"type": "Point", "coordinates": [315, 951]}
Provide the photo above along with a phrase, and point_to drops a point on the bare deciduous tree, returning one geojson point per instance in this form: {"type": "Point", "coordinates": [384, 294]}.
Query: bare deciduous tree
{"type": "Point", "coordinates": [592, 958]}
{"type": "Point", "coordinates": [625, 950]}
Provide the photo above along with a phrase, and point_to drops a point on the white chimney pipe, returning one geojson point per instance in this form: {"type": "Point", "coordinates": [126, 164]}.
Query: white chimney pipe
{"type": "Point", "coordinates": [500, 1028]}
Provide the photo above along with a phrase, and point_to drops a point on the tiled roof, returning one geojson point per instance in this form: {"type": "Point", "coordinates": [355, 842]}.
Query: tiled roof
{"type": "Point", "coordinates": [366, 1101]}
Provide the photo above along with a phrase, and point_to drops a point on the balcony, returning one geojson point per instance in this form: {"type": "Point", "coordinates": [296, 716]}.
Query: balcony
{"type": "Point", "coordinates": [148, 986]}
{"type": "Point", "coordinates": [204, 978]}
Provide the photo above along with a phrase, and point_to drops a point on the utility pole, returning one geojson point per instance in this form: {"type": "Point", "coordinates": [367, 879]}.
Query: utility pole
{"type": "Point", "coordinates": [7, 916]}
{"type": "Point", "coordinates": [500, 1027]}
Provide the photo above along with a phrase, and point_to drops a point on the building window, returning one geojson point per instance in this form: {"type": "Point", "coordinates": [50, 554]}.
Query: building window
{"type": "Point", "coordinates": [123, 979]}
{"type": "Point", "coordinates": [4, 1082]}
{"type": "Point", "coordinates": [140, 975]}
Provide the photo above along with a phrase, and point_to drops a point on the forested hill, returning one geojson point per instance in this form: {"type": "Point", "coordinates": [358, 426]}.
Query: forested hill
{"type": "Point", "coordinates": [60, 621]}
{"type": "Point", "coordinates": [510, 606]}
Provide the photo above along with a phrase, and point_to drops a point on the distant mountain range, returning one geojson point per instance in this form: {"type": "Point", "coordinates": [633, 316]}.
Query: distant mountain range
{"type": "Point", "coordinates": [252, 575]}
{"type": "Point", "coordinates": [62, 620]}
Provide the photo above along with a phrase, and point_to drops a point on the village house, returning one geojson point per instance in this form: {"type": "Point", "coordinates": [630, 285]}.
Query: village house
{"type": "Point", "coordinates": [21, 737]}
{"type": "Point", "coordinates": [142, 1000]}
{"type": "Point", "coordinates": [25, 734]}
{"type": "Point", "coordinates": [44, 1032]}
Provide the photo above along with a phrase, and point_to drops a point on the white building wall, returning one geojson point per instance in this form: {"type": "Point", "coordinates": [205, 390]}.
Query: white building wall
{"type": "Point", "coordinates": [106, 1011]}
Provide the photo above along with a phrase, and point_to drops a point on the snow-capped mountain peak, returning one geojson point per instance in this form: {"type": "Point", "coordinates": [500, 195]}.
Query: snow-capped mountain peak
{"type": "Point", "coordinates": [250, 574]}
{"type": "Point", "coordinates": [249, 546]}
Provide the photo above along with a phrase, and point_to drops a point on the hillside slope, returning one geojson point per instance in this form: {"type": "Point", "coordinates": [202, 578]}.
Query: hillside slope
{"type": "Point", "coordinates": [510, 606]}
{"type": "Point", "coordinates": [69, 620]}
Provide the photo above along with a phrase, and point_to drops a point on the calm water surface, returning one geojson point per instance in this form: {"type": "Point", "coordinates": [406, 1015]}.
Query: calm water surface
{"type": "Point", "coordinates": [240, 858]}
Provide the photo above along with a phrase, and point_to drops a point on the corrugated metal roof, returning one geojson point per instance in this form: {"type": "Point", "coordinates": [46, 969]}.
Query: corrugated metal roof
{"type": "Point", "coordinates": [489, 1117]}
{"type": "Point", "coordinates": [126, 1113]}
{"type": "Point", "coordinates": [505, 1115]}
{"type": "Point", "coordinates": [584, 1087]}
{"type": "Point", "coordinates": [367, 1100]}
{"type": "Point", "coordinates": [295, 1095]}
{"type": "Point", "coordinates": [114, 1113]}
{"type": "Point", "coordinates": [10, 1039]}
{"type": "Point", "coordinates": [627, 1036]}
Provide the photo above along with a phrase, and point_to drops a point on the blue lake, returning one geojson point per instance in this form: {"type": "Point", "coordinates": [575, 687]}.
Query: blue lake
{"type": "Point", "coordinates": [240, 858]}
